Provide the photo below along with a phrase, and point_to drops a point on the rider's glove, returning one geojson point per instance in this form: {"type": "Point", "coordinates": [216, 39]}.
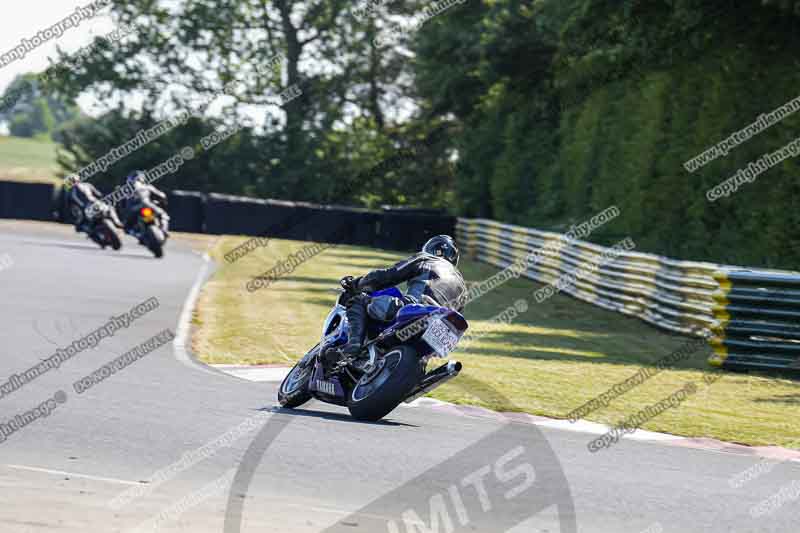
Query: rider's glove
{"type": "Point", "coordinates": [350, 284]}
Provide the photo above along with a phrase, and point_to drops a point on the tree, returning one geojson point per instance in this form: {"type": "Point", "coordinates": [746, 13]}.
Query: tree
{"type": "Point", "coordinates": [195, 49]}
{"type": "Point", "coordinates": [31, 108]}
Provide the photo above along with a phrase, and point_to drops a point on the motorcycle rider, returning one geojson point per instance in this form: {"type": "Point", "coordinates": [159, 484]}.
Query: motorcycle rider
{"type": "Point", "coordinates": [143, 195]}
{"type": "Point", "coordinates": [81, 195]}
{"type": "Point", "coordinates": [432, 278]}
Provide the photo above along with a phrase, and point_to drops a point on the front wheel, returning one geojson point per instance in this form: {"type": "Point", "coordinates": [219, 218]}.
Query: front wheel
{"type": "Point", "coordinates": [96, 235]}
{"type": "Point", "coordinates": [379, 391]}
{"type": "Point", "coordinates": [155, 240]}
{"type": "Point", "coordinates": [111, 235]}
{"type": "Point", "coordinates": [294, 388]}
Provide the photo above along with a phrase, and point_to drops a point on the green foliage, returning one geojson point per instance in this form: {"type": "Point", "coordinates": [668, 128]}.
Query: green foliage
{"type": "Point", "coordinates": [535, 112]}
{"type": "Point", "coordinates": [608, 102]}
{"type": "Point", "coordinates": [236, 165]}
{"type": "Point", "coordinates": [314, 147]}
{"type": "Point", "coordinates": [32, 109]}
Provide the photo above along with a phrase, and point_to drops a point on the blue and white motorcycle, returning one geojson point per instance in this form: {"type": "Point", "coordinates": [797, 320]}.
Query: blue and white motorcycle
{"type": "Point", "coordinates": [391, 368]}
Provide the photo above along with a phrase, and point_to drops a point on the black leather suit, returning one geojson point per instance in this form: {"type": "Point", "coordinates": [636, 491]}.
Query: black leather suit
{"type": "Point", "coordinates": [81, 196]}
{"type": "Point", "coordinates": [431, 280]}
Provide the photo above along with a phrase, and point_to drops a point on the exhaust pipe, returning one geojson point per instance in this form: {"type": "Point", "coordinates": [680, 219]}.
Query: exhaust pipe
{"type": "Point", "coordinates": [434, 379]}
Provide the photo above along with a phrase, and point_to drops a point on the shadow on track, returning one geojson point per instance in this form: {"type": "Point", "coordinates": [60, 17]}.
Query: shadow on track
{"type": "Point", "coordinates": [89, 247]}
{"type": "Point", "coordinates": [328, 415]}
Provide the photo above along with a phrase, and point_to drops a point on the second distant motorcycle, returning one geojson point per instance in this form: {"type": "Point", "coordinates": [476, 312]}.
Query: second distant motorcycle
{"type": "Point", "coordinates": [93, 216]}
{"type": "Point", "coordinates": [99, 226]}
{"type": "Point", "coordinates": [150, 231]}
{"type": "Point", "coordinates": [146, 220]}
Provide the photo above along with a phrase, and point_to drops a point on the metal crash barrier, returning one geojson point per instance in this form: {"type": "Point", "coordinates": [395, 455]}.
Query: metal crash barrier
{"type": "Point", "coordinates": [675, 295]}
{"type": "Point", "coordinates": [757, 320]}
{"type": "Point", "coordinates": [752, 318]}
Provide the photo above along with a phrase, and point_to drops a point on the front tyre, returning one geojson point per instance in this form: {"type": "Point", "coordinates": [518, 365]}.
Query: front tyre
{"type": "Point", "coordinates": [111, 235]}
{"type": "Point", "coordinates": [155, 240]}
{"type": "Point", "coordinates": [378, 392]}
{"type": "Point", "coordinates": [293, 391]}
{"type": "Point", "coordinates": [95, 234]}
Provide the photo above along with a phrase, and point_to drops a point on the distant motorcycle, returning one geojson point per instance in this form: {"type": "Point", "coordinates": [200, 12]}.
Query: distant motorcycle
{"type": "Point", "coordinates": [395, 368]}
{"type": "Point", "coordinates": [150, 230]}
{"type": "Point", "coordinates": [99, 228]}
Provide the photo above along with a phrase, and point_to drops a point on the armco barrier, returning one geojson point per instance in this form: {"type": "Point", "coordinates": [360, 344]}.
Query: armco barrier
{"type": "Point", "coordinates": [758, 320]}
{"type": "Point", "coordinates": [752, 318]}
{"type": "Point", "coordinates": [27, 201]}
{"type": "Point", "coordinates": [675, 295]}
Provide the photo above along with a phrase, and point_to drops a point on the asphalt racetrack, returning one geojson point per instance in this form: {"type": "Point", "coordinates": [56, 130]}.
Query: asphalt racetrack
{"type": "Point", "coordinates": [93, 464]}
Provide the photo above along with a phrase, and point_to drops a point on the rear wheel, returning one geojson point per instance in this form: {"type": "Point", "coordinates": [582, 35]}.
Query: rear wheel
{"type": "Point", "coordinates": [293, 391]}
{"type": "Point", "coordinates": [155, 240]}
{"type": "Point", "coordinates": [378, 392]}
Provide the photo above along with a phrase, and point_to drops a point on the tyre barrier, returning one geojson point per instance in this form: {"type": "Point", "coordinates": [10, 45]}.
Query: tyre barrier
{"type": "Point", "coordinates": [221, 214]}
{"type": "Point", "coordinates": [752, 317]}
{"type": "Point", "coordinates": [389, 228]}
{"type": "Point", "coordinates": [233, 215]}
{"type": "Point", "coordinates": [757, 316]}
{"type": "Point", "coordinates": [408, 229]}
{"type": "Point", "coordinates": [344, 225]}
{"type": "Point", "coordinates": [27, 201]}
{"type": "Point", "coordinates": [186, 211]}
{"type": "Point", "coordinates": [61, 211]}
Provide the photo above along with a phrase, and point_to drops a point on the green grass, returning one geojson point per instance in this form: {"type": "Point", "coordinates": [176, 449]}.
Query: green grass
{"type": "Point", "coordinates": [549, 361]}
{"type": "Point", "coordinates": [30, 160]}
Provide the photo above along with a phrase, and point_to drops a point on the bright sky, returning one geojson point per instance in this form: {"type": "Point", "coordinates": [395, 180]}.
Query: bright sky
{"type": "Point", "coordinates": [25, 18]}
{"type": "Point", "coordinates": [28, 17]}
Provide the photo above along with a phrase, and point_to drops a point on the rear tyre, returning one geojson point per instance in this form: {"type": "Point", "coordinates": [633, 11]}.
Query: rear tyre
{"type": "Point", "coordinates": [293, 391]}
{"type": "Point", "coordinates": [377, 394]}
{"type": "Point", "coordinates": [154, 239]}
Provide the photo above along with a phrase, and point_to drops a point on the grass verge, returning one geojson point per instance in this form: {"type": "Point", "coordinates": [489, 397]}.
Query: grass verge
{"type": "Point", "coordinates": [28, 160]}
{"type": "Point", "coordinates": [550, 360]}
